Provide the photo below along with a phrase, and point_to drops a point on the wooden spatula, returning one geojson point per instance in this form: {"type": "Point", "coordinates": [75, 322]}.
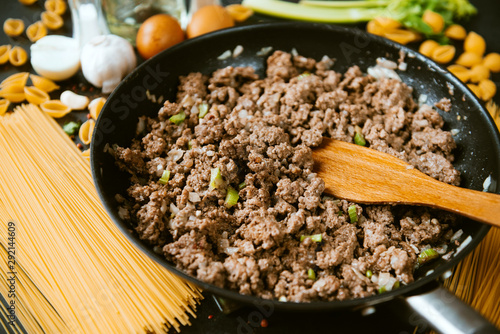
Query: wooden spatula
{"type": "Point", "coordinates": [364, 175]}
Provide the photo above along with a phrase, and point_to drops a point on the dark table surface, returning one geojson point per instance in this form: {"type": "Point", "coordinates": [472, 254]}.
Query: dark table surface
{"type": "Point", "coordinates": [391, 317]}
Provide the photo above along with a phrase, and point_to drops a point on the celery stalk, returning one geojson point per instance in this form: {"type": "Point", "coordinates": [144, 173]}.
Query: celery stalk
{"type": "Point", "coordinates": [345, 4]}
{"type": "Point", "coordinates": [295, 11]}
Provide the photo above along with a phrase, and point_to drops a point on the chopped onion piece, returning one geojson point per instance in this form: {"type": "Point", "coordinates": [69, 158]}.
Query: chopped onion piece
{"type": "Point", "coordinates": [237, 51]}
{"type": "Point", "coordinates": [194, 197]}
{"type": "Point", "coordinates": [231, 250]}
{"type": "Point", "coordinates": [487, 183]}
{"type": "Point", "coordinates": [457, 235]}
{"type": "Point", "coordinates": [226, 54]}
{"type": "Point", "coordinates": [463, 245]}
{"type": "Point", "coordinates": [232, 197]}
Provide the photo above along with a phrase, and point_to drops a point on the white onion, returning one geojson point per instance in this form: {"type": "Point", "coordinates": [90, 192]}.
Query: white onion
{"type": "Point", "coordinates": [386, 63]}
{"type": "Point", "coordinates": [264, 51]}
{"type": "Point", "coordinates": [457, 235]}
{"type": "Point", "coordinates": [174, 209]}
{"type": "Point", "coordinates": [237, 51]}
{"type": "Point", "coordinates": [487, 183]}
{"type": "Point", "coordinates": [464, 244]}
{"type": "Point", "coordinates": [226, 54]}
{"type": "Point", "coordinates": [231, 250]}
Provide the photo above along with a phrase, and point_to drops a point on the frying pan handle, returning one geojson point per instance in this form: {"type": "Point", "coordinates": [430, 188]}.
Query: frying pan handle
{"type": "Point", "coordinates": [447, 314]}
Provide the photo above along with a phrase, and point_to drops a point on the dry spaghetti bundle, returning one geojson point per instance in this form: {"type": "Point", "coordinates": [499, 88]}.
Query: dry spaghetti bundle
{"type": "Point", "coordinates": [75, 271]}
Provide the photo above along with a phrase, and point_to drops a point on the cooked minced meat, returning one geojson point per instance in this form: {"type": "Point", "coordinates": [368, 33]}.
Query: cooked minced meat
{"type": "Point", "coordinates": [259, 134]}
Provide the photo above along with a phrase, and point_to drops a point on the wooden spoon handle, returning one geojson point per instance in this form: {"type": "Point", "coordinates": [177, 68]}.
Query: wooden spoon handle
{"type": "Point", "coordinates": [363, 175]}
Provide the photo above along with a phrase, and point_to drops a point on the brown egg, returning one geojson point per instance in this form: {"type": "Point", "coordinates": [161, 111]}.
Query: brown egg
{"type": "Point", "coordinates": [208, 19]}
{"type": "Point", "coordinates": [158, 33]}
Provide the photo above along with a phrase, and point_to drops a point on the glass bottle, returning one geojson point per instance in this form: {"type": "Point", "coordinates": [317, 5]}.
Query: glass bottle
{"type": "Point", "coordinates": [124, 17]}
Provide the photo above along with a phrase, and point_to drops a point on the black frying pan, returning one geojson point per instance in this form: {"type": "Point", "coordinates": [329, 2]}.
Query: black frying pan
{"type": "Point", "coordinates": [477, 156]}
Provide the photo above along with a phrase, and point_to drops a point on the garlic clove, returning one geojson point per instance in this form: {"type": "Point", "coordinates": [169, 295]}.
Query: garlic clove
{"type": "Point", "coordinates": [74, 101]}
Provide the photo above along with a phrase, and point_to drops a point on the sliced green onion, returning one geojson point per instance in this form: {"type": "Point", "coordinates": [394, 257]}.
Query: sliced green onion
{"type": "Point", "coordinates": [427, 256]}
{"type": "Point", "coordinates": [215, 178]}
{"type": "Point", "coordinates": [178, 118]}
{"type": "Point", "coordinates": [314, 237]}
{"type": "Point", "coordinates": [381, 289]}
{"type": "Point", "coordinates": [71, 127]}
{"type": "Point", "coordinates": [369, 273]}
{"type": "Point", "coordinates": [396, 285]}
{"type": "Point", "coordinates": [353, 215]}
{"type": "Point", "coordinates": [203, 108]}
{"type": "Point", "coordinates": [340, 213]}
{"type": "Point", "coordinates": [190, 144]}
{"type": "Point", "coordinates": [303, 75]}
{"type": "Point", "coordinates": [165, 177]}
{"type": "Point", "coordinates": [359, 139]}
{"type": "Point", "coordinates": [242, 185]}
{"type": "Point", "coordinates": [311, 274]}
{"type": "Point", "coordinates": [231, 197]}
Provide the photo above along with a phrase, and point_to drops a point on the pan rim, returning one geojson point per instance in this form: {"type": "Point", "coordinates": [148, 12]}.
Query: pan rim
{"type": "Point", "coordinates": [292, 306]}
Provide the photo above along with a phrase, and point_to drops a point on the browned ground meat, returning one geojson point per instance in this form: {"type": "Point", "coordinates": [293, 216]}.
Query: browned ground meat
{"type": "Point", "coordinates": [260, 133]}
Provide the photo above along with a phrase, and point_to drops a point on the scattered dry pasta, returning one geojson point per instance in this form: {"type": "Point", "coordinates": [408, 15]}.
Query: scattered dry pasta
{"type": "Point", "coordinates": [238, 12]}
{"type": "Point", "coordinates": [52, 20]}
{"type": "Point", "coordinates": [27, 2]}
{"type": "Point", "coordinates": [95, 107]}
{"type": "Point", "coordinates": [18, 79]}
{"type": "Point", "coordinates": [55, 6]}
{"type": "Point", "coordinates": [460, 72]}
{"type": "Point", "coordinates": [36, 31]}
{"type": "Point", "coordinates": [455, 31]}
{"type": "Point", "coordinates": [443, 54]}
{"type": "Point", "coordinates": [44, 84]}
{"type": "Point", "coordinates": [475, 43]}
{"type": "Point", "coordinates": [86, 154]}
{"type": "Point", "coordinates": [433, 20]}
{"type": "Point", "coordinates": [4, 105]}
{"type": "Point", "coordinates": [492, 62]}
{"type": "Point", "coordinates": [428, 47]}
{"type": "Point", "coordinates": [402, 36]}
{"type": "Point", "coordinates": [35, 95]}
{"type": "Point", "coordinates": [488, 89]}
{"type": "Point", "coordinates": [479, 72]}
{"type": "Point", "coordinates": [18, 56]}
{"type": "Point", "coordinates": [13, 27]}
{"type": "Point", "coordinates": [86, 131]}
{"type": "Point", "coordinates": [55, 108]}
{"type": "Point", "coordinates": [14, 92]}
{"type": "Point", "coordinates": [4, 53]}
{"type": "Point", "coordinates": [469, 59]}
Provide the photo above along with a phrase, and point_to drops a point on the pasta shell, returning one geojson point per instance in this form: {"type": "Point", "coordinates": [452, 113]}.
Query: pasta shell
{"type": "Point", "coordinates": [18, 56]}
{"type": "Point", "coordinates": [13, 27]}
{"type": "Point", "coordinates": [15, 79]}
{"type": "Point", "coordinates": [86, 131]}
{"type": "Point", "coordinates": [27, 2]}
{"type": "Point", "coordinates": [35, 95]}
{"type": "Point", "coordinates": [55, 6]}
{"type": "Point", "coordinates": [4, 105]}
{"type": "Point", "coordinates": [52, 20]}
{"type": "Point", "coordinates": [13, 92]}
{"type": "Point", "coordinates": [86, 154]}
{"type": "Point", "coordinates": [95, 107]}
{"type": "Point", "coordinates": [36, 31]}
{"type": "Point", "coordinates": [55, 108]}
{"type": "Point", "coordinates": [4, 53]}
{"type": "Point", "coordinates": [44, 84]}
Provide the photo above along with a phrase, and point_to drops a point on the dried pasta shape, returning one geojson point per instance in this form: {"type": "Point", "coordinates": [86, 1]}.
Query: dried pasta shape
{"type": "Point", "coordinates": [18, 56]}
{"type": "Point", "coordinates": [35, 95]}
{"type": "Point", "coordinates": [4, 105]}
{"type": "Point", "coordinates": [86, 131]}
{"type": "Point", "coordinates": [55, 6]}
{"type": "Point", "coordinates": [13, 92]}
{"type": "Point", "coordinates": [13, 27]}
{"type": "Point", "coordinates": [55, 108]}
{"type": "Point", "coordinates": [95, 107]}
{"type": "Point", "coordinates": [44, 84]}
{"type": "Point", "coordinates": [52, 20]}
{"type": "Point", "coordinates": [402, 36]}
{"type": "Point", "coordinates": [4, 53]}
{"type": "Point", "coordinates": [86, 154]}
{"type": "Point", "coordinates": [18, 79]}
{"type": "Point", "coordinates": [27, 2]}
{"type": "Point", "coordinates": [36, 31]}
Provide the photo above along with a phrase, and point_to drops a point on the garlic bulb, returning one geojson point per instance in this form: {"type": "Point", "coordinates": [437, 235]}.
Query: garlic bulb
{"type": "Point", "coordinates": [106, 60]}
